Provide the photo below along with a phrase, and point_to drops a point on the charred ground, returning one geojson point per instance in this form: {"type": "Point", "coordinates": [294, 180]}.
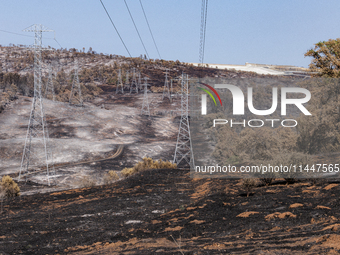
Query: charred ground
{"type": "Point", "coordinates": [167, 212]}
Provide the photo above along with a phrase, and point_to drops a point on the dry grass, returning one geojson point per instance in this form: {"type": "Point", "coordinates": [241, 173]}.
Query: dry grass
{"type": "Point", "coordinates": [9, 187]}
{"type": "Point", "coordinates": [86, 182]}
{"type": "Point", "coordinates": [110, 177]}
{"type": "Point", "coordinates": [248, 185]}
{"type": "Point", "coordinates": [147, 163]}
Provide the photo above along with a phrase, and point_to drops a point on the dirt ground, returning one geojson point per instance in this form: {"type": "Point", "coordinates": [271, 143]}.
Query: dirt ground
{"type": "Point", "coordinates": [167, 212]}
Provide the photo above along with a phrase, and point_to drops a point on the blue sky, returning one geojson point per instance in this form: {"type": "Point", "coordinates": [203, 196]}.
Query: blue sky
{"type": "Point", "coordinates": [238, 31]}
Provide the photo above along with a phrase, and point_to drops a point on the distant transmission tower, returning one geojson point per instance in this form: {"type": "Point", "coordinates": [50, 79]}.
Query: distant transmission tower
{"type": "Point", "coordinates": [120, 82]}
{"type": "Point", "coordinates": [75, 96]}
{"type": "Point", "coordinates": [36, 150]}
{"type": "Point", "coordinates": [49, 85]}
{"type": "Point", "coordinates": [171, 90]}
{"type": "Point", "coordinates": [134, 84]}
{"type": "Point", "coordinates": [140, 82]}
{"type": "Point", "coordinates": [145, 106]}
{"type": "Point", "coordinates": [166, 90]}
{"type": "Point", "coordinates": [127, 80]}
{"type": "Point", "coordinates": [183, 151]}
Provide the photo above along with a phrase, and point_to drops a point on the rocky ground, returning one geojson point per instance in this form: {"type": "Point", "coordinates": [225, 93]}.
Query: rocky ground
{"type": "Point", "coordinates": [167, 212]}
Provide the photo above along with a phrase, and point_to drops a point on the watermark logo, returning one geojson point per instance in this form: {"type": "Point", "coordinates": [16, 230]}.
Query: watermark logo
{"type": "Point", "coordinates": [239, 105]}
{"type": "Point", "coordinates": [238, 99]}
{"type": "Point", "coordinates": [204, 97]}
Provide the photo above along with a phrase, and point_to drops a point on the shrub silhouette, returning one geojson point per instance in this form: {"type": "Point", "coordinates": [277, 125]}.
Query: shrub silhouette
{"type": "Point", "coordinates": [267, 181]}
{"type": "Point", "coordinates": [248, 184]}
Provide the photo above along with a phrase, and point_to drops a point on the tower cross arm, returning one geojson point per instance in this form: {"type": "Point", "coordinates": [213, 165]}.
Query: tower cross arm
{"type": "Point", "coordinates": [37, 28]}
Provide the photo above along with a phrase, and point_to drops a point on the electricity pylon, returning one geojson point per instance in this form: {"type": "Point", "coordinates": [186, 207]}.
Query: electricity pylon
{"type": "Point", "coordinates": [171, 91]}
{"type": "Point", "coordinates": [37, 154]}
{"type": "Point", "coordinates": [183, 152]}
{"type": "Point", "coordinates": [127, 80]}
{"type": "Point", "coordinates": [140, 82]}
{"type": "Point", "coordinates": [134, 84]}
{"type": "Point", "coordinates": [145, 106]}
{"type": "Point", "coordinates": [120, 82]}
{"type": "Point", "coordinates": [49, 85]}
{"type": "Point", "coordinates": [166, 90]}
{"type": "Point", "coordinates": [78, 100]}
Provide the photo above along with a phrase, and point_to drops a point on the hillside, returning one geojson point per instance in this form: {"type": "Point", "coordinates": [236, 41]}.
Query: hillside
{"type": "Point", "coordinates": [107, 121]}
{"type": "Point", "coordinates": [159, 211]}
{"type": "Point", "coordinates": [95, 70]}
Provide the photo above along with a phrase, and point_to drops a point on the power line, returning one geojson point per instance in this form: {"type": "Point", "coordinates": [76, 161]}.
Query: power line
{"type": "Point", "coordinates": [15, 33]}
{"type": "Point", "coordinates": [137, 30]}
{"type": "Point", "coordinates": [150, 29]}
{"type": "Point", "coordinates": [30, 36]}
{"type": "Point", "coordinates": [57, 42]}
{"type": "Point", "coordinates": [23, 34]}
{"type": "Point", "coordinates": [116, 29]}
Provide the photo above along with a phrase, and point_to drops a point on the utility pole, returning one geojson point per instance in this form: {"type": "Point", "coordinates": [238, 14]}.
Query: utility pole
{"type": "Point", "coordinates": [145, 106]}
{"type": "Point", "coordinates": [37, 151]}
{"type": "Point", "coordinates": [183, 152]}
{"type": "Point", "coordinates": [120, 82]}
{"type": "Point", "coordinates": [75, 84]}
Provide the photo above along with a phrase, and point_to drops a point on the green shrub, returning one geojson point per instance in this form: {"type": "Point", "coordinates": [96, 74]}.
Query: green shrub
{"type": "Point", "coordinates": [148, 163]}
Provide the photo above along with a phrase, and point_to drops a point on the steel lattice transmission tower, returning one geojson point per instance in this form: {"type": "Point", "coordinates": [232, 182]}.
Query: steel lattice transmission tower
{"type": "Point", "coordinates": [49, 85]}
{"type": "Point", "coordinates": [127, 80]}
{"type": "Point", "coordinates": [37, 152]}
{"type": "Point", "coordinates": [204, 13]}
{"type": "Point", "coordinates": [183, 152]}
{"type": "Point", "coordinates": [76, 85]}
{"type": "Point", "coordinates": [134, 84]}
{"type": "Point", "coordinates": [140, 81]}
{"type": "Point", "coordinates": [166, 90]}
{"type": "Point", "coordinates": [120, 82]}
{"type": "Point", "coordinates": [145, 106]}
{"type": "Point", "coordinates": [171, 88]}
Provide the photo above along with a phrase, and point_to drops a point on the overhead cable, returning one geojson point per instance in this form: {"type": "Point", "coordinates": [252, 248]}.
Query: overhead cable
{"type": "Point", "coordinates": [150, 29]}
{"type": "Point", "coordinates": [115, 28]}
{"type": "Point", "coordinates": [137, 30]}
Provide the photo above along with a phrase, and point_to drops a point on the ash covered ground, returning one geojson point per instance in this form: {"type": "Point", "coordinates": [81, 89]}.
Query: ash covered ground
{"type": "Point", "coordinates": [90, 133]}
